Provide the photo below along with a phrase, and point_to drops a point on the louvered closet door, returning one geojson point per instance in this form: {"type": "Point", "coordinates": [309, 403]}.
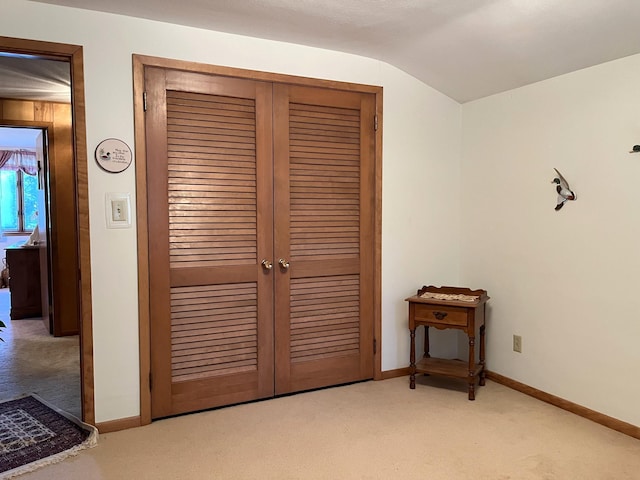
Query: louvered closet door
{"type": "Point", "coordinates": [324, 194]}
{"type": "Point", "coordinates": [209, 177]}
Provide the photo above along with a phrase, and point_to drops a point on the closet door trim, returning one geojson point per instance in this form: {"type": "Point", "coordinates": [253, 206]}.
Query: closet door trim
{"type": "Point", "coordinates": [140, 62]}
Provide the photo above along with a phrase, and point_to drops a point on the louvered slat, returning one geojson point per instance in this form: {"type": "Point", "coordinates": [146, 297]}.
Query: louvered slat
{"type": "Point", "coordinates": [212, 222]}
{"type": "Point", "coordinates": [212, 180]}
{"type": "Point", "coordinates": [213, 330]}
{"type": "Point", "coordinates": [324, 182]}
{"type": "Point", "coordinates": [324, 168]}
{"type": "Point", "coordinates": [325, 317]}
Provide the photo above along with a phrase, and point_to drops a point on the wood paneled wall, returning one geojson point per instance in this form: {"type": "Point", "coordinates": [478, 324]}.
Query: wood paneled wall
{"type": "Point", "coordinates": [64, 258]}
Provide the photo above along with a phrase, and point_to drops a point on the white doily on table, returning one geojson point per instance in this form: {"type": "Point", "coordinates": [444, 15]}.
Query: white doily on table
{"type": "Point", "coordinates": [458, 297]}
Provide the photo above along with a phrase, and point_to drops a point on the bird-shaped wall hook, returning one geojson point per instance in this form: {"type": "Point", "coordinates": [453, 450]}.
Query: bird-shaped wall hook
{"type": "Point", "coordinates": [564, 190]}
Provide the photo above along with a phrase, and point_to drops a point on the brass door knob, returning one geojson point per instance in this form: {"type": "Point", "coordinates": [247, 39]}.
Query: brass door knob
{"type": "Point", "coordinates": [266, 264]}
{"type": "Point", "coordinates": [283, 263]}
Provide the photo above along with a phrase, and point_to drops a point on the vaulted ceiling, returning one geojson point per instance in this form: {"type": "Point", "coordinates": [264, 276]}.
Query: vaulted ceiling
{"type": "Point", "coordinates": [467, 49]}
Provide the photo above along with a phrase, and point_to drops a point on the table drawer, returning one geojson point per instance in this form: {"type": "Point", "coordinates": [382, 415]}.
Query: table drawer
{"type": "Point", "coordinates": [441, 315]}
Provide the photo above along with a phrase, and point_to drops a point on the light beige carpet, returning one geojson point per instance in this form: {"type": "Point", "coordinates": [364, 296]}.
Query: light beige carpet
{"type": "Point", "coordinates": [33, 361]}
{"type": "Point", "coordinates": [372, 430]}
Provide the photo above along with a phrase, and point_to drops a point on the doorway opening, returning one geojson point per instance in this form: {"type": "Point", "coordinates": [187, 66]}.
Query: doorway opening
{"type": "Point", "coordinates": [63, 179]}
{"type": "Point", "coordinates": [34, 359]}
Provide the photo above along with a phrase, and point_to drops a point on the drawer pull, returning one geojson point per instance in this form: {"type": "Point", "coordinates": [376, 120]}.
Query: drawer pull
{"type": "Point", "coordinates": [439, 315]}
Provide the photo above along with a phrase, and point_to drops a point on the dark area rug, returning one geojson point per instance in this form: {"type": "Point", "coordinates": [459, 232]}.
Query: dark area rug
{"type": "Point", "coordinates": [34, 433]}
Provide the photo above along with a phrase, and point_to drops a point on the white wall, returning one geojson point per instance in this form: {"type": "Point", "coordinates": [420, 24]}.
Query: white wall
{"type": "Point", "coordinates": [421, 205]}
{"type": "Point", "coordinates": [421, 168]}
{"type": "Point", "coordinates": [566, 281]}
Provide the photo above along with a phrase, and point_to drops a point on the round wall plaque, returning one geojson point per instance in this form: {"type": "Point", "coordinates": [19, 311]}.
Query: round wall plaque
{"type": "Point", "coordinates": [113, 155]}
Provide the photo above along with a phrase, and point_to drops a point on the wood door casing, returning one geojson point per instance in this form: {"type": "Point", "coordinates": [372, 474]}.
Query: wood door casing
{"type": "Point", "coordinates": [323, 159]}
{"type": "Point", "coordinates": [75, 256]}
{"type": "Point", "coordinates": [210, 193]}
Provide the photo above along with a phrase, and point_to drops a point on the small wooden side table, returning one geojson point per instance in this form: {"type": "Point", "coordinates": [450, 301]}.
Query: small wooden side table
{"type": "Point", "coordinates": [449, 307]}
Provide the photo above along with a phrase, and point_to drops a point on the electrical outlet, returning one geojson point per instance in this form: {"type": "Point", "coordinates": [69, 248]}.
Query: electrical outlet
{"type": "Point", "coordinates": [517, 343]}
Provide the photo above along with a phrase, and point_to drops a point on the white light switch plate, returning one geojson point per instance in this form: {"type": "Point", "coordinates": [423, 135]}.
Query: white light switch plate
{"type": "Point", "coordinates": [118, 210]}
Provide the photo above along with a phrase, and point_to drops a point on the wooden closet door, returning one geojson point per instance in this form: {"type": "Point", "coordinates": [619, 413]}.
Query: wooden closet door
{"type": "Point", "coordinates": [324, 207]}
{"type": "Point", "coordinates": [209, 177]}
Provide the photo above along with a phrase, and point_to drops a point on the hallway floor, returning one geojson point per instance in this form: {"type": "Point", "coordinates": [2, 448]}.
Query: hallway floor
{"type": "Point", "coordinates": [33, 361]}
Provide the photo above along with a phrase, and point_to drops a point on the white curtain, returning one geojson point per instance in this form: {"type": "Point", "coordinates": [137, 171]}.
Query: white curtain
{"type": "Point", "coordinates": [19, 159]}
{"type": "Point", "coordinates": [22, 159]}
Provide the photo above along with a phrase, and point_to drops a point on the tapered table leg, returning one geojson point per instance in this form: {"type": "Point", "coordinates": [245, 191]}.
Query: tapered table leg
{"type": "Point", "coordinates": [412, 359]}
{"type": "Point", "coordinates": [482, 372]}
{"type": "Point", "coordinates": [472, 360]}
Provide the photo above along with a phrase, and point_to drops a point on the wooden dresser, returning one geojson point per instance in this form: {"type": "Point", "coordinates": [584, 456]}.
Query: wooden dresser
{"type": "Point", "coordinates": [449, 312]}
{"type": "Point", "coordinates": [24, 283]}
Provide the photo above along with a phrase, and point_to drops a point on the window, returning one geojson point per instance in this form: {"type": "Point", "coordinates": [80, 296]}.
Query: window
{"type": "Point", "coordinates": [19, 206]}
{"type": "Point", "coordinates": [19, 167]}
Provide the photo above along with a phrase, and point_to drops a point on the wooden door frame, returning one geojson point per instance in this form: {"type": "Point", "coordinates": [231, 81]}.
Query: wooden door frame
{"type": "Point", "coordinates": [140, 62]}
{"type": "Point", "coordinates": [73, 54]}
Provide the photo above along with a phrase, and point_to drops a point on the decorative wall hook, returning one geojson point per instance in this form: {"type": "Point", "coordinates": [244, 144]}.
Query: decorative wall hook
{"type": "Point", "coordinates": [636, 149]}
{"type": "Point", "coordinates": [564, 191]}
